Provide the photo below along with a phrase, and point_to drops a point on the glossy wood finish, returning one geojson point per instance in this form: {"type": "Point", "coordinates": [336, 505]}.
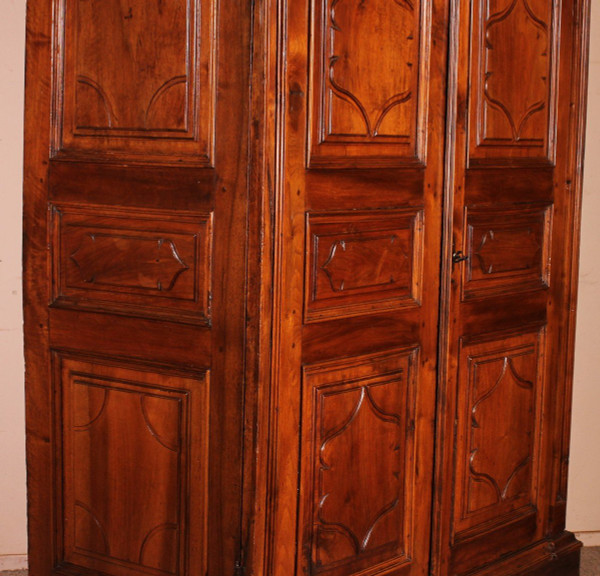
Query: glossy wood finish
{"type": "Point", "coordinates": [137, 184]}
{"type": "Point", "coordinates": [518, 66]}
{"type": "Point", "coordinates": [368, 101]}
{"type": "Point", "coordinates": [130, 437]}
{"type": "Point", "coordinates": [152, 98]}
{"type": "Point", "coordinates": [365, 232]}
{"type": "Point", "coordinates": [357, 428]}
{"type": "Point", "coordinates": [299, 285]}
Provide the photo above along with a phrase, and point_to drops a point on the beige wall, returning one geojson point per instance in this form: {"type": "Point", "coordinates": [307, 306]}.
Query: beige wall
{"type": "Point", "coordinates": [12, 439]}
{"type": "Point", "coordinates": [584, 496]}
{"type": "Point", "coordinates": [583, 512]}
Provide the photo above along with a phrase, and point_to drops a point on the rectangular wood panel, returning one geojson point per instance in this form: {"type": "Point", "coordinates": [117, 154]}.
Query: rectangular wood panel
{"type": "Point", "coordinates": [132, 445]}
{"type": "Point", "coordinates": [358, 463]}
{"type": "Point", "coordinates": [146, 263]}
{"type": "Point", "coordinates": [134, 81]}
{"type": "Point", "coordinates": [362, 262]}
{"type": "Point", "coordinates": [513, 92]}
{"type": "Point", "coordinates": [508, 250]}
{"type": "Point", "coordinates": [499, 415]}
{"type": "Point", "coordinates": [369, 82]}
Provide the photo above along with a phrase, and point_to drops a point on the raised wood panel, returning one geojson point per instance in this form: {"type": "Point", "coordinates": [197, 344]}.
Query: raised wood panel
{"type": "Point", "coordinates": [367, 105]}
{"type": "Point", "coordinates": [134, 80]}
{"type": "Point", "coordinates": [508, 250]}
{"type": "Point", "coordinates": [499, 415]}
{"type": "Point", "coordinates": [146, 263]}
{"type": "Point", "coordinates": [358, 464]}
{"type": "Point", "coordinates": [362, 262]}
{"type": "Point", "coordinates": [132, 446]}
{"type": "Point", "coordinates": [513, 92]}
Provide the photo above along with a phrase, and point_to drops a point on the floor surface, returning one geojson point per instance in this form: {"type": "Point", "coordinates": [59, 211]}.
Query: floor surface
{"type": "Point", "coordinates": [590, 561]}
{"type": "Point", "coordinates": [590, 564]}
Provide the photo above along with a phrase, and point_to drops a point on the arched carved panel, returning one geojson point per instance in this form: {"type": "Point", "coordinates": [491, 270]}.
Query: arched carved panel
{"type": "Point", "coordinates": [357, 472]}
{"type": "Point", "coordinates": [513, 93]}
{"type": "Point", "coordinates": [134, 80]}
{"type": "Point", "coordinates": [134, 459]}
{"type": "Point", "coordinates": [367, 103]}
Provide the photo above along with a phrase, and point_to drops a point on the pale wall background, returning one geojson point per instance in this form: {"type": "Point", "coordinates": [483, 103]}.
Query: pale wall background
{"type": "Point", "coordinates": [584, 490]}
{"type": "Point", "coordinates": [13, 541]}
{"type": "Point", "coordinates": [583, 508]}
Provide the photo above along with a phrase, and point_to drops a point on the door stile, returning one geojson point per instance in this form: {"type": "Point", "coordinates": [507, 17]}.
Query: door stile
{"type": "Point", "coordinates": [288, 262]}
{"type": "Point", "coordinates": [257, 417]}
{"type": "Point", "coordinates": [444, 399]}
{"type": "Point", "coordinates": [36, 289]}
{"type": "Point", "coordinates": [576, 77]}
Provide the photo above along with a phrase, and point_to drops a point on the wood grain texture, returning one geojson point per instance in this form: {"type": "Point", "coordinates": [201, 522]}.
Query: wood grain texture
{"type": "Point", "coordinates": [358, 433]}
{"type": "Point", "coordinates": [513, 162]}
{"type": "Point", "coordinates": [368, 188]}
{"type": "Point", "coordinates": [498, 430]}
{"type": "Point", "coordinates": [512, 120]}
{"type": "Point", "coordinates": [144, 436]}
{"type": "Point", "coordinates": [39, 426]}
{"type": "Point", "coordinates": [575, 76]}
{"type": "Point", "coordinates": [155, 264]}
{"type": "Point", "coordinates": [368, 100]}
{"type": "Point", "coordinates": [300, 281]}
{"type": "Point", "coordinates": [508, 251]}
{"type": "Point", "coordinates": [135, 81]}
{"type": "Point", "coordinates": [362, 262]}
{"type": "Point", "coordinates": [142, 252]}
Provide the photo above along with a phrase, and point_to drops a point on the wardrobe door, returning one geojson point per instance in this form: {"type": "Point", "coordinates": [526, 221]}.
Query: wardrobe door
{"type": "Point", "coordinates": [135, 255]}
{"type": "Point", "coordinates": [358, 208]}
{"type": "Point", "coordinates": [512, 245]}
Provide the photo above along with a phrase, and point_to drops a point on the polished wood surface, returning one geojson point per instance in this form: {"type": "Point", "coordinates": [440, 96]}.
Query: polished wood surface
{"type": "Point", "coordinates": [508, 302]}
{"type": "Point", "coordinates": [300, 281]}
{"type": "Point", "coordinates": [360, 209]}
{"type": "Point", "coordinates": [138, 185]}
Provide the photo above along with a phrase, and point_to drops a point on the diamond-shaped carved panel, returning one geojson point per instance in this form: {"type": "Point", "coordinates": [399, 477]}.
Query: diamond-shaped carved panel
{"type": "Point", "coordinates": [513, 93]}
{"type": "Point", "coordinates": [508, 250]}
{"type": "Point", "coordinates": [357, 470]}
{"type": "Point", "coordinates": [499, 418]}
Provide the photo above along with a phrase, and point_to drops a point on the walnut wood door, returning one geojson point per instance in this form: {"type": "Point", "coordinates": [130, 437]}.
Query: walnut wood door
{"type": "Point", "coordinates": [359, 209]}
{"type": "Point", "coordinates": [135, 253]}
{"type": "Point", "coordinates": [510, 260]}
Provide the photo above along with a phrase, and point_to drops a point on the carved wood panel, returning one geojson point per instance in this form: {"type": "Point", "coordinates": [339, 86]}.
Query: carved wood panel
{"type": "Point", "coordinates": [134, 80]}
{"type": "Point", "coordinates": [513, 92]}
{"type": "Point", "coordinates": [132, 446]}
{"type": "Point", "coordinates": [148, 263]}
{"type": "Point", "coordinates": [508, 250]}
{"type": "Point", "coordinates": [367, 104]}
{"type": "Point", "coordinates": [500, 393]}
{"type": "Point", "coordinates": [362, 262]}
{"type": "Point", "coordinates": [358, 458]}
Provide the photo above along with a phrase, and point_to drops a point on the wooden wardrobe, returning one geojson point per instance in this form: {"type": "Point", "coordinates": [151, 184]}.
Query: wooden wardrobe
{"type": "Point", "coordinates": [300, 285]}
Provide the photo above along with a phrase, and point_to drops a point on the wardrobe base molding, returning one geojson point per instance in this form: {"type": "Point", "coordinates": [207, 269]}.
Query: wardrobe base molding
{"type": "Point", "coordinates": [552, 557]}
